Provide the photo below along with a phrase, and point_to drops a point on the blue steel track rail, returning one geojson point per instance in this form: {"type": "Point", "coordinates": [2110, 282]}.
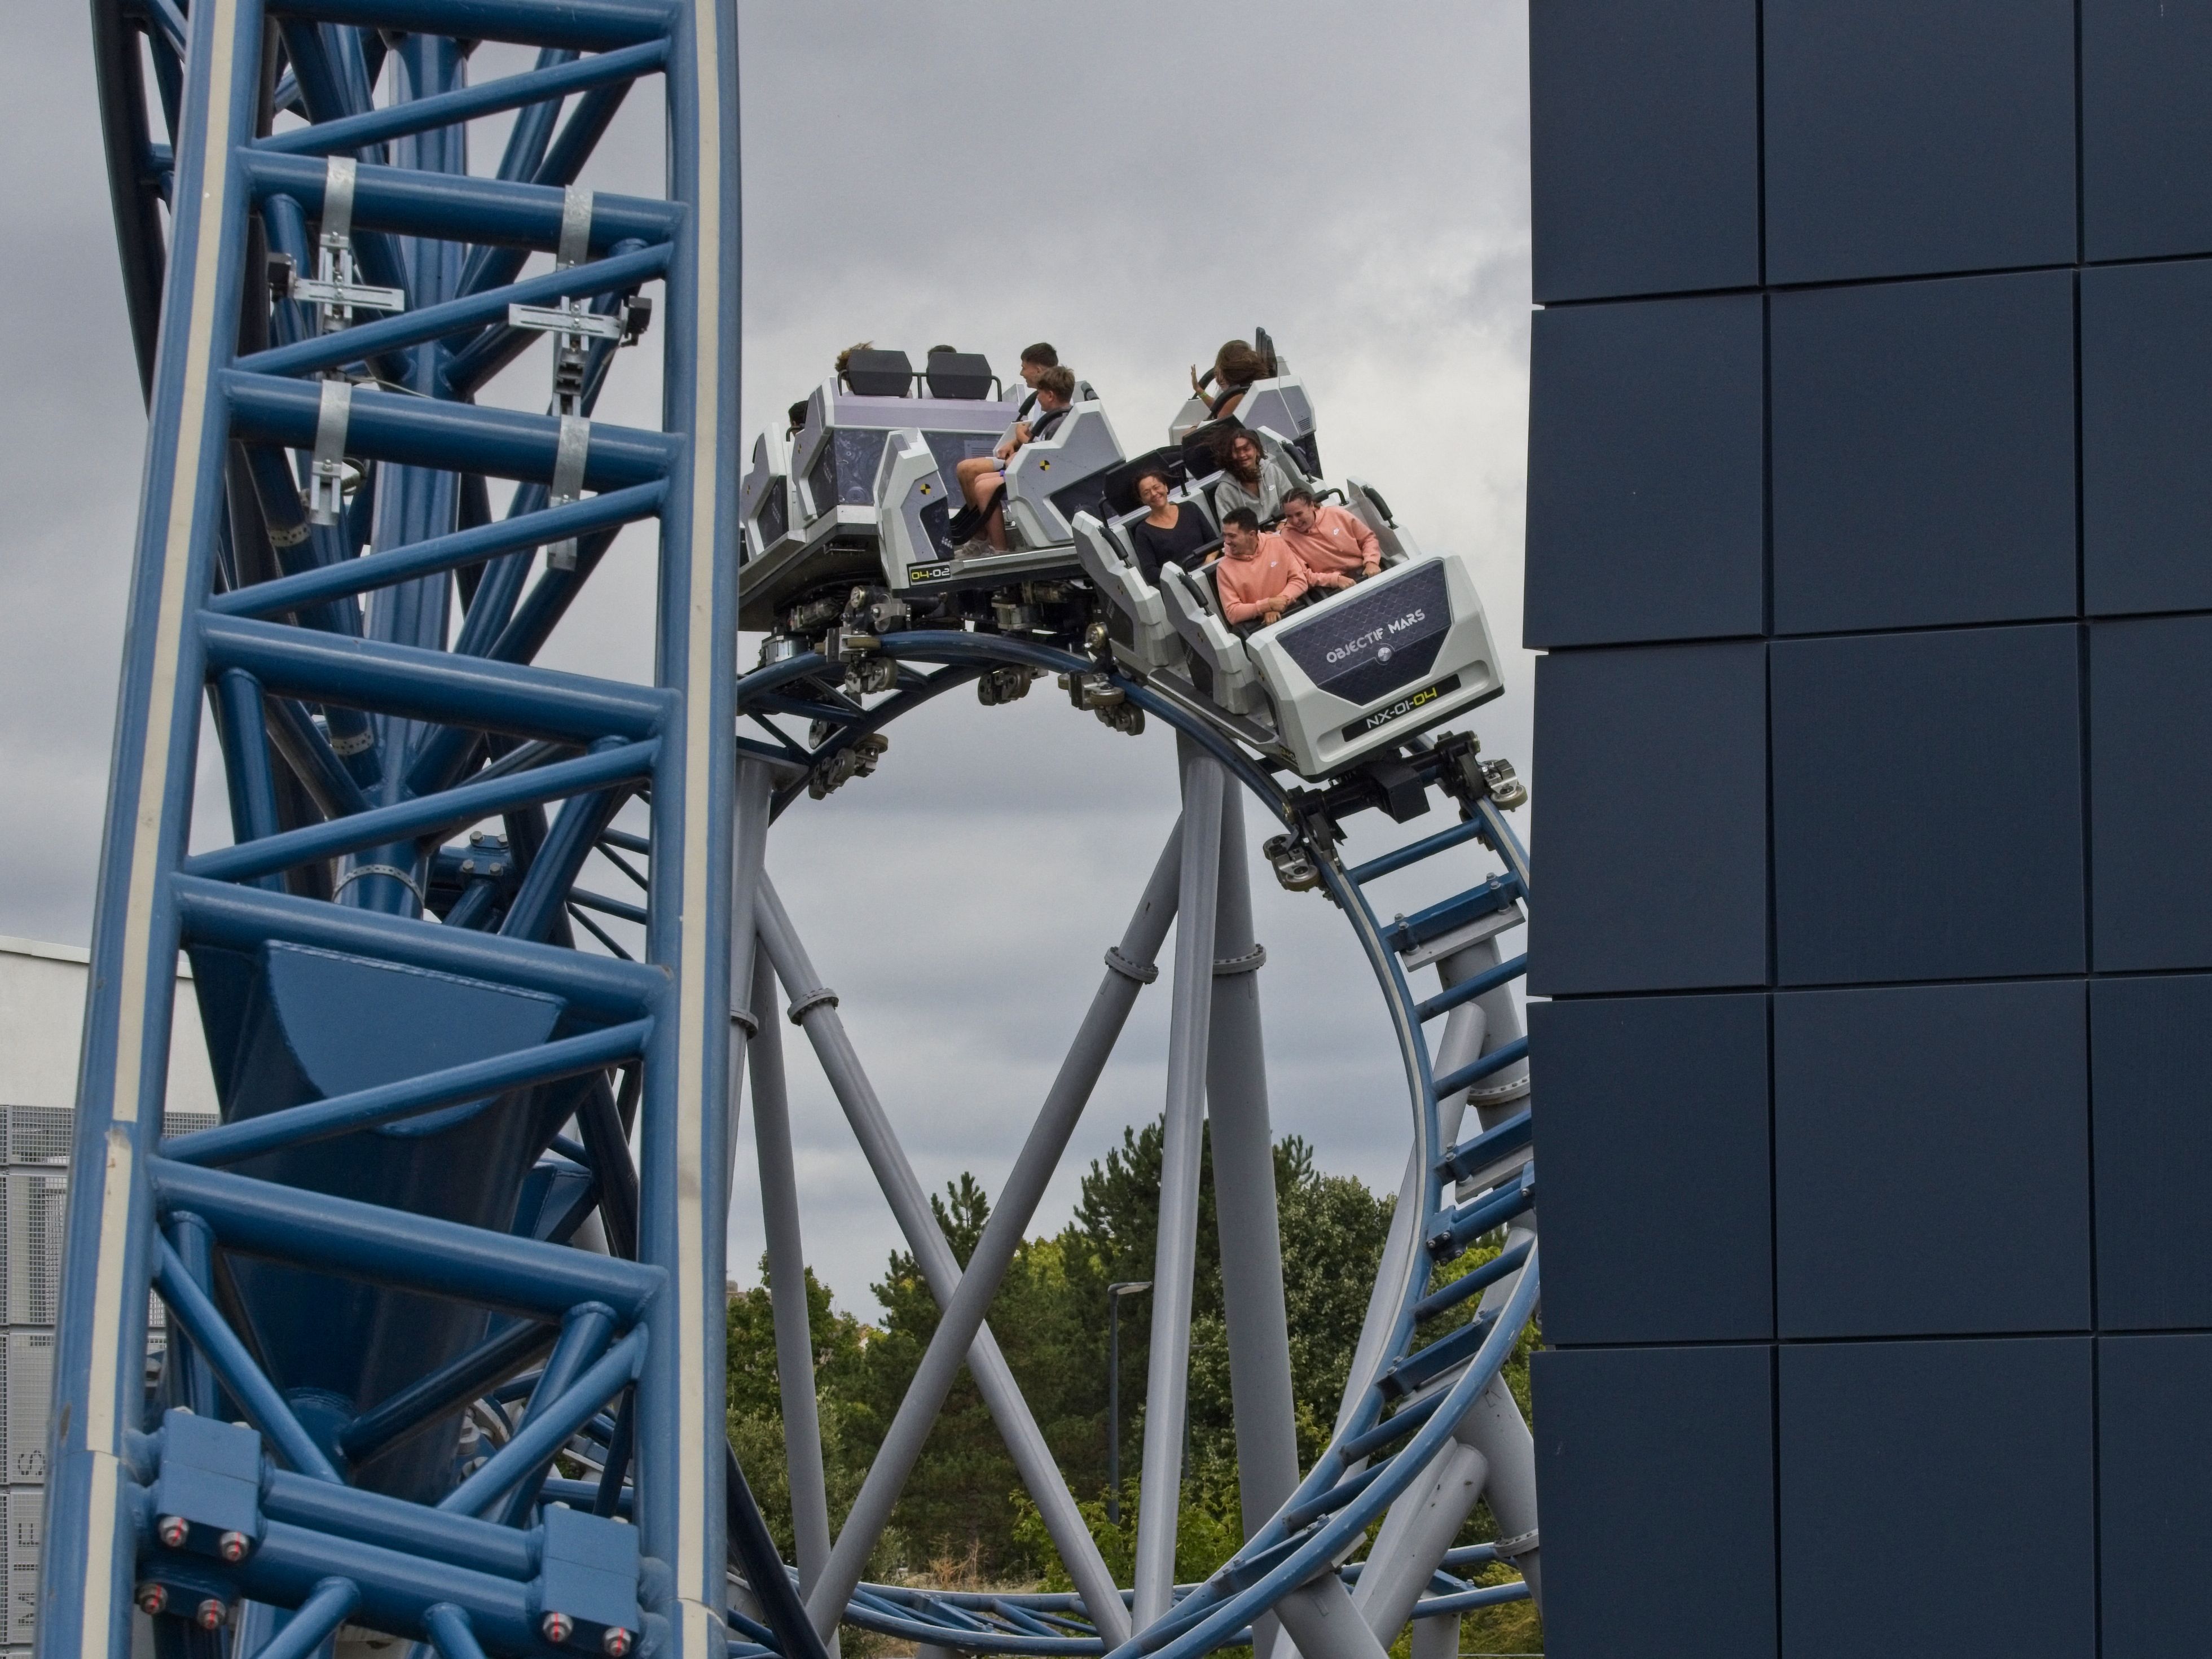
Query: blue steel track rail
{"type": "Point", "coordinates": [371, 683]}
{"type": "Point", "coordinates": [1377, 1451]}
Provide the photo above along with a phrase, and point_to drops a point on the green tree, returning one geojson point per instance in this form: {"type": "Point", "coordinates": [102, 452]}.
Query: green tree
{"type": "Point", "coordinates": [963, 1516]}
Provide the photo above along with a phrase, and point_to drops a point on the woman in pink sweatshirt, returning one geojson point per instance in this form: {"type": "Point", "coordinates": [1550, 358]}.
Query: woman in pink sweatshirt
{"type": "Point", "coordinates": [1258, 576]}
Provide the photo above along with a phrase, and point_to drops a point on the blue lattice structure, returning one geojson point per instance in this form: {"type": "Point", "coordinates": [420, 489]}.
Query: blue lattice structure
{"type": "Point", "coordinates": [371, 1238]}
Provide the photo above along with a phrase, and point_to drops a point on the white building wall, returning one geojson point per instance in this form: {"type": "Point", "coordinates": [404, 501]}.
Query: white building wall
{"type": "Point", "coordinates": [42, 1021]}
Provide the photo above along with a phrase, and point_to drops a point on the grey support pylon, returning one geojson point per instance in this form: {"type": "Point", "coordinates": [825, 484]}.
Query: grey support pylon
{"type": "Point", "coordinates": [786, 1282]}
{"type": "Point", "coordinates": [1129, 966]}
{"type": "Point", "coordinates": [815, 1008]}
{"type": "Point", "coordinates": [1167, 1378]}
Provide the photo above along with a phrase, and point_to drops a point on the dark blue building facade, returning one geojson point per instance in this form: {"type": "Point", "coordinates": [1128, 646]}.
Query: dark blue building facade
{"type": "Point", "coordinates": [1870, 545]}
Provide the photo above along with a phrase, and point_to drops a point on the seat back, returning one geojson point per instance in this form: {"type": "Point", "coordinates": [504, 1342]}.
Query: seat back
{"type": "Point", "coordinates": [1281, 405]}
{"type": "Point", "coordinates": [1137, 624]}
{"type": "Point", "coordinates": [765, 516]}
{"type": "Point", "coordinates": [1397, 543]}
{"type": "Point", "coordinates": [914, 512]}
{"type": "Point", "coordinates": [966, 375]}
{"type": "Point", "coordinates": [1051, 479]}
{"type": "Point", "coordinates": [1228, 676]}
{"type": "Point", "coordinates": [879, 374]}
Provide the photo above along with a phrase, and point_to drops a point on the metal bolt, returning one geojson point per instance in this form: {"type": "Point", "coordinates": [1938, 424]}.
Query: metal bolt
{"type": "Point", "coordinates": [152, 1599]}
{"type": "Point", "coordinates": [468, 866]}
{"type": "Point", "coordinates": [233, 1545]}
{"type": "Point", "coordinates": [554, 1627]}
{"type": "Point", "coordinates": [172, 1530]}
{"type": "Point", "coordinates": [209, 1615]}
{"type": "Point", "coordinates": [616, 1642]}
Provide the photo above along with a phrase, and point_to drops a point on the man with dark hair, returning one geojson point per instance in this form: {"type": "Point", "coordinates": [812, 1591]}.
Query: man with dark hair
{"type": "Point", "coordinates": [1337, 547]}
{"type": "Point", "coordinates": [1034, 361]}
{"type": "Point", "coordinates": [982, 478]}
{"type": "Point", "coordinates": [1258, 576]}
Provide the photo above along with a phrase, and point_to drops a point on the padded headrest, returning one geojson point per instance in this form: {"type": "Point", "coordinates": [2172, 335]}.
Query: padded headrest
{"type": "Point", "coordinates": [878, 374]}
{"type": "Point", "coordinates": [958, 374]}
{"type": "Point", "coordinates": [1121, 482]}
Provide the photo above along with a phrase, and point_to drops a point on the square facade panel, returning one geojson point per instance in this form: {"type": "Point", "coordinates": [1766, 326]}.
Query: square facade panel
{"type": "Point", "coordinates": [1927, 813]}
{"type": "Point", "coordinates": [1938, 1498]}
{"type": "Point", "coordinates": [2146, 430]}
{"type": "Point", "coordinates": [1653, 815]}
{"type": "Point", "coordinates": [1908, 137]}
{"type": "Point", "coordinates": [1643, 146]}
{"type": "Point", "coordinates": [1647, 448]}
{"type": "Point", "coordinates": [2150, 790]}
{"type": "Point", "coordinates": [2154, 1479]}
{"type": "Point", "coordinates": [1653, 1122]}
{"type": "Point", "coordinates": [1627, 1440]}
{"type": "Point", "coordinates": [2146, 128]}
{"type": "Point", "coordinates": [1923, 453]}
{"type": "Point", "coordinates": [1931, 1160]}
{"type": "Point", "coordinates": [2152, 1041]}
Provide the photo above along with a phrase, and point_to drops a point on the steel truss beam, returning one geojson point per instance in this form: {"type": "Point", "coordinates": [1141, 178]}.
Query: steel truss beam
{"type": "Point", "coordinates": [356, 739]}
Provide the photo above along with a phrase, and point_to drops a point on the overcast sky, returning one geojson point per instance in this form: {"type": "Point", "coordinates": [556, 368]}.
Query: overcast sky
{"type": "Point", "coordinates": [1135, 183]}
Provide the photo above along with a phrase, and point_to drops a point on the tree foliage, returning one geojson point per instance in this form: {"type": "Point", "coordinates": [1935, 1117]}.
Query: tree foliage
{"type": "Point", "coordinates": [963, 1517]}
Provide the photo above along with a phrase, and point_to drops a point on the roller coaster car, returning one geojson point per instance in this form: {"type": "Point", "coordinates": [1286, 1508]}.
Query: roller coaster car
{"type": "Point", "coordinates": [1327, 686]}
{"type": "Point", "coordinates": [810, 520]}
{"type": "Point", "coordinates": [1050, 481]}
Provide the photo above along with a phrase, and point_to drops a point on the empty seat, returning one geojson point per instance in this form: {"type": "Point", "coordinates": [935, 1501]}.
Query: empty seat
{"type": "Point", "coordinates": [878, 374]}
{"type": "Point", "coordinates": [958, 374]}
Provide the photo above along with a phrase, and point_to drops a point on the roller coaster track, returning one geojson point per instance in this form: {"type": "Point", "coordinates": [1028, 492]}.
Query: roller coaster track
{"type": "Point", "coordinates": [384, 1334]}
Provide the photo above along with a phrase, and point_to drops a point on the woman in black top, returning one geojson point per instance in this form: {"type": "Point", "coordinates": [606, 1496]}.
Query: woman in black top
{"type": "Point", "coordinates": [1171, 533]}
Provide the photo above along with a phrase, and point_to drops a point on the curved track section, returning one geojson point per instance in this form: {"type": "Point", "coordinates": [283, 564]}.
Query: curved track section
{"type": "Point", "coordinates": [1419, 1407]}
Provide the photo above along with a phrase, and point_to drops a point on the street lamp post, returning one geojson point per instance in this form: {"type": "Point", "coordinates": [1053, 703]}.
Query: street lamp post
{"type": "Point", "coordinates": [1114, 1294]}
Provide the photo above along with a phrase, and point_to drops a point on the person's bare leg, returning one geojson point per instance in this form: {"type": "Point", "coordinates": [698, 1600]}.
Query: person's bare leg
{"type": "Point", "coordinates": [967, 471]}
{"type": "Point", "coordinates": [994, 524]}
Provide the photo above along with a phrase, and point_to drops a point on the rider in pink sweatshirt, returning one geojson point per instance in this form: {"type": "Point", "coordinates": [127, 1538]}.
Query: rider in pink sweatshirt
{"type": "Point", "coordinates": [1258, 576]}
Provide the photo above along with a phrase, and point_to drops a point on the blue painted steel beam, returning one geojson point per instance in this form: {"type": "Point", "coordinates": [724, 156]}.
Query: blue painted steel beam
{"type": "Point", "coordinates": [486, 98]}
{"type": "Point", "coordinates": [461, 208]}
{"type": "Point", "coordinates": [420, 1253]}
{"type": "Point", "coordinates": [390, 1102]}
{"type": "Point", "coordinates": [1499, 1266]}
{"type": "Point", "coordinates": [585, 25]}
{"type": "Point", "coordinates": [371, 1517]}
{"type": "Point", "coordinates": [427, 815]}
{"type": "Point", "coordinates": [244, 918]}
{"type": "Point", "coordinates": [462, 547]}
{"type": "Point", "coordinates": [1474, 986]}
{"type": "Point", "coordinates": [1488, 1065]}
{"type": "Point", "coordinates": [427, 432]}
{"type": "Point", "coordinates": [444, 1390]}
{"type": "Point", "coordinates": [1427, 846]}
{"type": "Point", "coordinates": [1473, 1156]}
{"type": "Point", "coordinates": [474, 311]}
{"type": "Point", "coordinates": [536, 1441]}
{"type": "Point", "coordinates": [435, 685]}
{"type": "Point", "coordinates": [195, 1310]}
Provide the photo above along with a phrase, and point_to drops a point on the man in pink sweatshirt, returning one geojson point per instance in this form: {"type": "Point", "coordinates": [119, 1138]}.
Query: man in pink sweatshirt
{"type": "Point", "coordinates": [1258, 576]}
{"type": "Point", "coordinates": [1335, 545]}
